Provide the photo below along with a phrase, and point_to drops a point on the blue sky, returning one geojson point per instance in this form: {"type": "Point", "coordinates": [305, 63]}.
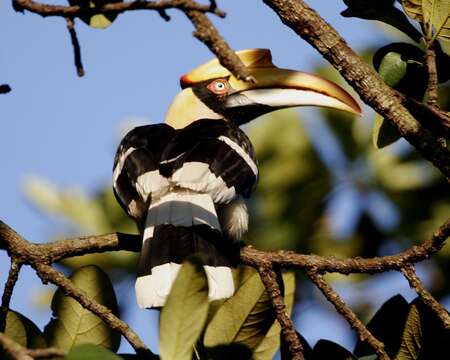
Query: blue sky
{"type": "Point", "coordinates": [66, 129]}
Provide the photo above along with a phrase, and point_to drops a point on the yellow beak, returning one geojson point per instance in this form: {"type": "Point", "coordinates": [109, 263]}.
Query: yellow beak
{"type": "Point", "coordinates": [281, 88]}
{"type": "Point", "coordinates": [274, 88]}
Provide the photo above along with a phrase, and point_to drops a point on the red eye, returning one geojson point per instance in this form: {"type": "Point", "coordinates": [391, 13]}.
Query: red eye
{"type": "Point", "coordinates": [219, 86]}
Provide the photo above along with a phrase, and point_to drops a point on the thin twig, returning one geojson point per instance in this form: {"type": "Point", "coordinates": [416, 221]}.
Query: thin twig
{"type": "Point", "coordinates": [48, 274]}
{"type": "Point", "coordinates": [46, 353]}
{"type": "Point", "coordinates": [414, 281]}
{"type": "Point", "coordinates": [76, 46]}
{"type": "Point", "coordinates": [112, 8]}
{"type": "Point", "coordinates": [269, 280]}
{"type": "Point", "coordinates": [8, 290]}
{"type": "Point", "coordinates": [343, 309]}
{"type": "Point", "coordinates": [433, 84]}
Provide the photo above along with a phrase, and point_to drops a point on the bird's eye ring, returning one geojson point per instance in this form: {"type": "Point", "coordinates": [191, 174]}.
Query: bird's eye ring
{"type": "Point", "coordinates": [219, 86]}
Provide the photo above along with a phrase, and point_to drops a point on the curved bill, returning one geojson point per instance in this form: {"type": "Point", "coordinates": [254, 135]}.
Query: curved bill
{"type": "Point", "coordinates": [281, 88]}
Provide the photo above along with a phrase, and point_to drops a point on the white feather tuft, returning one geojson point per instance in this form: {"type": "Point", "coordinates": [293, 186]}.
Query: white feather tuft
{"type": "Point", "coordinates": [234, 218]}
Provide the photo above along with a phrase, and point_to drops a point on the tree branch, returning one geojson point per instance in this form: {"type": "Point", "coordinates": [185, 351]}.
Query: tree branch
{"type": "Point", "coordinates": [18, 352]}
{"type": "Point", "coordinates": [40, 256]}
{"type": "Point", "coordinates": [367, 83]}
{"type": "Point", "coordinates": [269, 280]}
{"type": "Point", "coordinates": [113, 8]}
{"type": "Point", "coordinates": [8, 290]}
{"type": "Point", "coordinates": [425, 295]}
{"type": "Point", "coordinates": [343, 309]}
{"type": "Point", "coordinates": [432, 87]}
{"type": "Point", "coordinates": [76, 46]}
{"type": "Point", "coordinates": [208, 34]}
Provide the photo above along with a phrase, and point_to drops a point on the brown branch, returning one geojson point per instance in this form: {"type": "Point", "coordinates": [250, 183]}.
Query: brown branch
{"type": "Point", "coordinates": [367, 83]}
{"type": "Point", "coordinates": [435, 119]}
{"type": "Point", "coordinates": [269, 280]}
{"type": "Point", "coordinates": [8, 290]}
{"type": "Point", "coordinates": [46, 353]}
{"type": "Point", "coordinates": [48, 274]}
{"type": "Point", "coordinates": [208, 34]}
{"type": "Point", "coordinates": [40, 256]}
{"type": "Point", "coordinates": [76, 46]}
{"type": "Point", "coordinates": [425, 295]}
{"type": "Point", "coordinates": [343, 309]}
{"type": "Point", "coordinates": [61, 249]}
{"type": "Point", "coordinates": [18, 352]}
{"type": "Point", "coordinates": [113, 8]}
{"type": "Point", "coordinates": [432, 87]}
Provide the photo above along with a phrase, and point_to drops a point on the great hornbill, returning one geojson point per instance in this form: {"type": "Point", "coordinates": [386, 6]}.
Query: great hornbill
{"type": "Point", "coordinates": [184, 181]}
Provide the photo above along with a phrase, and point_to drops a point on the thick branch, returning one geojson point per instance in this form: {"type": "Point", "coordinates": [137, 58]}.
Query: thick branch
{"type": "Point", "coordinates": [343, 309]}
{"type": "Point", "coordinates": [373, 91]}
{"type": "Point", "coordinates": [113, 8]}
{"type": "Point", "coordinates": [269, 280]}
{"type": "Point", "coordinates": [425, 295]}
{"type": "Point", "coordinates": [58, 250]}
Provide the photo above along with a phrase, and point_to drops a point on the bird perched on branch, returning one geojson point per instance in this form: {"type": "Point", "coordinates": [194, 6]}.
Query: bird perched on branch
{"type": "Point", "coordinates": [184, 182]}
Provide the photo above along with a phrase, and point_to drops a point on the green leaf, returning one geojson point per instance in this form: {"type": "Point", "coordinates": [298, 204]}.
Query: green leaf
{"type": "Point", "coordinates": [91, 352]}
{"type": "Point", "coordinates": [35, 337]}
{"type": "Point", "coordinates": [392, 68]}
{"type": "Point", "coordinates": [435, 16]}
{"type": "Point", "coordinates": [414, 9]}
{"type": "Point", "coordinates": [271, 342]}
{"type": "Point", "coordinates": [184, 315]}
{"type": "Point", "coordinates": [72, 324]}
{"type": "Point", "coordinates": [98, 21]}
{"type": "Point", "coordinates": [369, 357]}
{"type": "Point", "coordinates": [325, 349]}
{"type": "Point", "coordinates": [424, 336]}
{"type": "Point", "coordinates": [15, 328]}
{"type": "Point", "coordinates": [412, 336]}
{"type": "Point", "coordinates": [23, 331]}
{"type": "Point", "coordinates": [387, 326]}
{"type": "Point", "coordinates": [383, 133]}
{"type": "Point", "coordinates": [384, 11]}
{"type": "Point", "coordinates": [243, 319]}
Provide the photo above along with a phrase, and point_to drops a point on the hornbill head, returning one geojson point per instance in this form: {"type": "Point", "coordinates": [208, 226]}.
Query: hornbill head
{"type": "Point", "coordinates": [211, 92]}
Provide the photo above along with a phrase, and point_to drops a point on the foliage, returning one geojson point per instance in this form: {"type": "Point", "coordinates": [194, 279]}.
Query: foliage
{"type": "Point", "coordinates": [387, 197]}
{"type": "Point", "coordinates": [72, 324]}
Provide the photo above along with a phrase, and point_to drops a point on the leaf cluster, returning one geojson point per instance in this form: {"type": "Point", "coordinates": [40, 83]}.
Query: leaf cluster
{"type": "Point", "coordinates": [402, 65]}
{"type": "Point", "coordinates": [191, 327]}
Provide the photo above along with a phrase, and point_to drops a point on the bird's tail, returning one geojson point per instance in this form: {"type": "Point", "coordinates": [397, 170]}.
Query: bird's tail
{"type": "Point", "coordinates": [178, 225]}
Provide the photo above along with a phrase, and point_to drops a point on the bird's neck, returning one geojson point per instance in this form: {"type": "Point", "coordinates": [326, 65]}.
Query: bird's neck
{"type": "Point", "coordinates": [186, 108]}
